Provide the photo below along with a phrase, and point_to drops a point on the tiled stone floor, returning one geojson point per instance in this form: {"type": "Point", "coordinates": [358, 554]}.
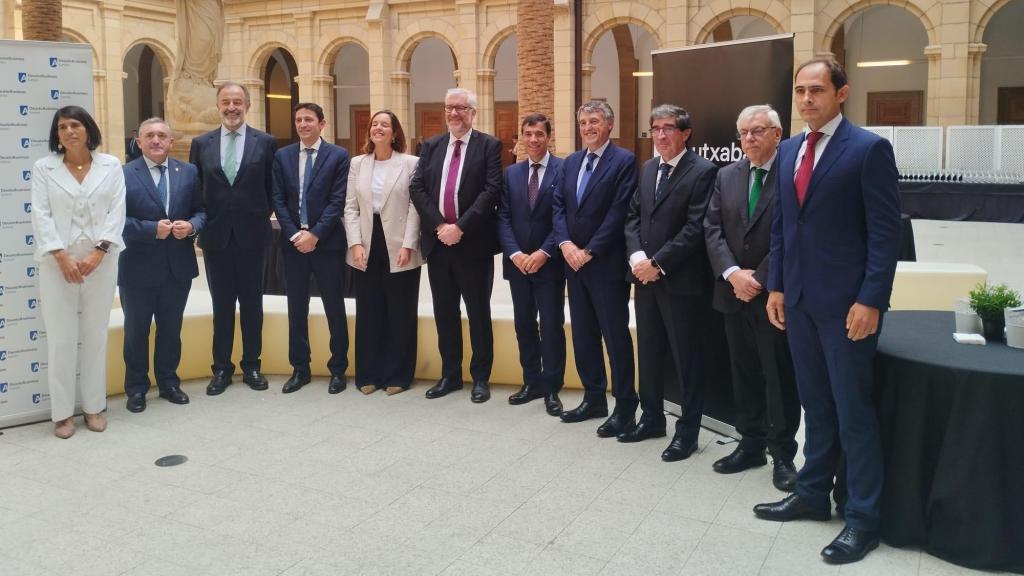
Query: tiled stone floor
{"type": "Point", "coordinates": [312, 484]}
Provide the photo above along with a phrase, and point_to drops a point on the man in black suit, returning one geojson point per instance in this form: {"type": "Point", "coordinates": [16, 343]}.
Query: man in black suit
{"type": "Point", "coordinates": [235, 165]}
{"type": "Point", "coordinates": [310, 181]}
{"type": "Point", "coordinates": [737, 230]}
{"type": "Point", "coordinates": [163, 213]}
{"type": "Point", "coordinates": [533, 266]}
{"type": "Point", "coordinates": [132, 150]}
{"type": "Point", "coordinates": [455, 190]}
{"type": "Point", "coordinates": [589, 210]}
{"type": "Point", "coordinates": [669, 264]}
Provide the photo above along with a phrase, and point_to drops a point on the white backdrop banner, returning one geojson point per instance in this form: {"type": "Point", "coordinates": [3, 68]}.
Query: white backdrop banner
{"type": "Point", "coordinates": [36, 79]}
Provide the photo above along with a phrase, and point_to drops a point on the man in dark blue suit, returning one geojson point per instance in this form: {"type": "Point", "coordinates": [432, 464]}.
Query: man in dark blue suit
{"type": "Point", "coordinates": [310, 180]}
{"type": "Point", "coordinates": [834, 247]}
{"type": "Point", "coordinates": [164, 212]}
{"type": "Point", "coordinates": [235, 164]}
{"type": "Point", "coordinates": [533, 266]}
{"type": "Point", "coordinates": [589, 213]}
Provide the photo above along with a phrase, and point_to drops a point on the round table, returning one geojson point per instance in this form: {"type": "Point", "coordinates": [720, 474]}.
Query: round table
{"type": "Point", "coordinates": [952, 424]}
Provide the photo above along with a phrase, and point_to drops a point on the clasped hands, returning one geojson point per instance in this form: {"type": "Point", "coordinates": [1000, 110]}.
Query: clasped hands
{"type": "Point", "coordinates": [744, 286]}
{"type": "Point", "coordinates": [530, 263]}
{"type": "Point", "coordinates": [75, 271]}
{"type": "Point", "coordinates": [178, 228]}
{"type": "Point", "coordinates": [575, 256]}
{"type": "Point", "coordinates": [645, 272]}
{"type": "Point", "coordinates": [449, 234]}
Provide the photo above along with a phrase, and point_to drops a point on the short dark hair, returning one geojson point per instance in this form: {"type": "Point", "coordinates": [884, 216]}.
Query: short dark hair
{"type": "Point", "coordinates": [836, 73]}
{"type": "Point", "coordinates": [397, 134]}
{"type": "Point", "coordinates": [92, 131]}
{"type": "Point", "coordinates": [681, 116]}
{"type": "Point", "coordinates": [536, 118]}
{"type": "Point", "coordinates": [314, 108]}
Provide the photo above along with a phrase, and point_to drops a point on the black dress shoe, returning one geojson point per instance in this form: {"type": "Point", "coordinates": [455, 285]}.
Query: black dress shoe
{"type": "Point", "coordinates": [678, 449]}
{"type": "Point", "coordinates": [255, 380]}
{"type": "Point", "coordinates": [740, 460]}
{"type": "Point", "coordinates": [850, 546]}
{"type": "Point", "coordinates": [481, 392]}
{"type": "Point", "coordinates": [553, 404]}
{"type": "Point", "coordinates": [616, 424]}
{"type": "Point", "coordinates": [784, 475]}
{"type": "Point", "coordinates": [295, 383]}
{"type": "Point", "coordinates": [337, 384]}
{"type": "Point", "coordinates": [645, 429]}
{"type": "Point", "coordinates": [443, 387]}
{"type": "Point", "coordinates": [218, 383]}
{"type": "Point", "coordinates": [525, 394]}
{"type": "Point", "coordinates": [174, 395]}
{"type": "Point", "coordinates": [585, 411]}
{"type": "Point", "coordinates": [136, 403]}
{"type": "Point", "coordinates": [791, 507]}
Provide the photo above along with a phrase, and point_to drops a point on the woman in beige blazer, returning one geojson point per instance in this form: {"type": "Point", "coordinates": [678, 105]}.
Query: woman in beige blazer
{"type": "Point", "coordinates": [383, 231]}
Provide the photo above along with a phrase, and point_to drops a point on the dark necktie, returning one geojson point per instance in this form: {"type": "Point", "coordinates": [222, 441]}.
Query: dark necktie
{"type": "Point", "coordinates": [534, 186]}
{"type": "Point", "coordinates": [755, 191]}
{"type": "Point", "coordinates": [161, 187]}
{"type": "Point", "coordinates": [665, 168]}
{"type": "Point", "coordinates": [586, 177]}
{"type": "Point", "coordinates": [803, 173]}
{"type": "Point", "coordinates": [307, 177]}
{"type": "Point", "coordinates": [449, 185]}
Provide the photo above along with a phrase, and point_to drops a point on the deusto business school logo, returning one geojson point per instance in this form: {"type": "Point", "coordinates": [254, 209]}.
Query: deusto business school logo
{"type": "Point", "coordinates": [26, 142]}
{"type": "Point", "coordinates": [26, 175]}
{"type": "Point", "coordinates": [54, 62]}
{"type": "Point", "coordinates": [22, 77]}
{"type": "Point", "coordinates": [29, 240]}
{"type": "Point", "coordinates": [31, 271]}
{"type": "Point", "coordinates": [54, 94]}
{"type": "Point", "coordinates": [23, 110]}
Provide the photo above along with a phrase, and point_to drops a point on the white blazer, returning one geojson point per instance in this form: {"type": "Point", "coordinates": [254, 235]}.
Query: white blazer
{"type": "Point", "coordinates": [398, 216]}
{"type": "Point", "coordinates": [55, 194]}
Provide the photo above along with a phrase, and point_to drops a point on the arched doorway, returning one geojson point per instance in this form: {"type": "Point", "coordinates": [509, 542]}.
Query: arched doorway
{"type": "Point", "coordinates": [281, 94]}
{"type": "Point", "coordinates": [143, 86]}
{"type": "Point", "coordinates": [432, 72]}
{"type": "Point", "coordinates": [1002, 67]}
{"type": "Point", "coordinates": [882, 49]}
{"type": "Point", "coordinates": [351, 71]}
{"type": "Point", "coordinates": [506, 107]}
{"type": "Point", "coordinates": [741, 28]}
{"type": "Point", "coordinates": [621, 75]}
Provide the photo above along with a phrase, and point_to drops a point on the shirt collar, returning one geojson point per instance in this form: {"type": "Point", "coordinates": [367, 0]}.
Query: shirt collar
{"type": "Point", "coordinates": [315, 146]}
{"type": "Point", "coordinates": [767, 166]}
{"type": "Point", "coordinates": [241, 131]}
{"type": "Point", "coordinates": [543, 161]}
{"type": "Point", "coordinates": [830, 127]}
{"type": "Point", "coordinates": [464, 138]}
{"type": "Point", "coordinates": [674, 161]}
{"type": "Point", "coordinates": [600, 151]}
{"type": "Point", "coordinates": [150, 164]}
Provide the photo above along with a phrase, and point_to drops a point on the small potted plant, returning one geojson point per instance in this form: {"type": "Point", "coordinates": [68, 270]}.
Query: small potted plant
{"type": "Point", "coordinates": [990, 302]}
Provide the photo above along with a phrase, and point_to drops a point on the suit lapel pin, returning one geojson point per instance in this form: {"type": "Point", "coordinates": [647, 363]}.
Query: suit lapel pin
{"type": "Point", "coordinates": [176, 169]}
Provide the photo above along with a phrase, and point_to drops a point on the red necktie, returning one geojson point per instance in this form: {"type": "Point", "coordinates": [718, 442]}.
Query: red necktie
{"type": "Point", "coordinates": [803, 174]}
{"type": "Point", "coordinates": [449, 185]}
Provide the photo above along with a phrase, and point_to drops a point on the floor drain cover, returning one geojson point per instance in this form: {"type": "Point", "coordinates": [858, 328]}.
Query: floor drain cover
{"type": "Point", "coordinates": [172, 460]}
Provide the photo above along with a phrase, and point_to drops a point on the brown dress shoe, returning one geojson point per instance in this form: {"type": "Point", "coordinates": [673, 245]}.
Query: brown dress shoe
{"type": "Point", "coordinates": [392, 390]}
{"type": "Point", "coordinates": [64, 429]}
{"type": "Point", "coordinates": [367, 389]}
{"type": "Point", "coordinates": [96, 422]}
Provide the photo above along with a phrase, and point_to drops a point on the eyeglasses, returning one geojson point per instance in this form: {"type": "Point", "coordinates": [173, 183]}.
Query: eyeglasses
{"type": "Point", "coordinates": [755, 132]}
{"type": "Point", "coordinates": [459, 109]}
{"type": "Point", "coordinates": [666, 130]}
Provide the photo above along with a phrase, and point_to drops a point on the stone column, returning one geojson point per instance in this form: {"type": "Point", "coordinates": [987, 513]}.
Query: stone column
{"type": "Point", "coordinates": [954, 66]}
{"type": "Point", "coordinates": [805, 46]}
{"type": "Point", "coordinates": [586, 78]}
{"type": "Point", "coordinates": [110, 108]}
{"type": "Point", "coordinates": [485, 101]}
{"type": "Point", "coordinates": [564, 108]}
{"type": "Point", "coordinates": [975, 52]}
{"type": "Point", "coordinates": [677, 17]}
{"type": "Point", "coordinates": [467, 45]}
{"type": "Point", "coordinates": [382, 68]}
{"type": "Point", "coordinates": [323, 94]}
{"type": "Point", "coordinates": [256, 117]}
{"type": "Point", "coordinates": [933, 53]}
{"type": "Point", "coordinates": [400, 100]}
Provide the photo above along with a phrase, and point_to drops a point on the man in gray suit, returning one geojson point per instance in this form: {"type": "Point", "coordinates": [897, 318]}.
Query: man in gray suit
{"type": "Point", "coordinates": [737, 230]}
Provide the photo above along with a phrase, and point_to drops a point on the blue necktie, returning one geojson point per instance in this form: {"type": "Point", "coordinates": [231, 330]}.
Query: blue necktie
{"type": "Point", "coordinates": [307, 177]}
{"type": "Point", "coordinates": [586, 177]}
{"type": "Point", "coordinates": [161, 187]}
{"type": "Point", "coordinates": [663, 181]}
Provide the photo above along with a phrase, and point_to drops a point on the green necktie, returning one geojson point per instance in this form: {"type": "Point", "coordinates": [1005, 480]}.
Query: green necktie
{"type": "Point", "coordinates": [755, 191]}
{"type": "Point", "coordinates": [230, 161]}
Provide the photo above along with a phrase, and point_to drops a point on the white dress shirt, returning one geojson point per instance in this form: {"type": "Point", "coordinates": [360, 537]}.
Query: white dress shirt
{"type": "Point", "coordinates": [154, 172]}
{"type": "Point", "coordinates": [540, 178]}
{"type": "Point", "coordinates": [767, 167]}
{"type": "Point", "coordinates": [239, 144]}
{"type": "Point", "coordinates": [378, 174]}
{"type": "Point", "coordinates": [639, 256]}
{"type": "Point", "coordinates": [827, 131]}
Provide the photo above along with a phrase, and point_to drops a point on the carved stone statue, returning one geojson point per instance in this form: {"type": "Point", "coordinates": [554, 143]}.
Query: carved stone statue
{"type": "Point", "coordinates": [192, 96]}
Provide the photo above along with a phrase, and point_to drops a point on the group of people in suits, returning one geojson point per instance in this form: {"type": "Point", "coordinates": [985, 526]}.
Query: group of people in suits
{"type": "Point", "coordinates": [795, 245]}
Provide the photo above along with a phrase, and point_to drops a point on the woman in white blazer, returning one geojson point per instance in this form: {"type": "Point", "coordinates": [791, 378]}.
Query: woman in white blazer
{"type": "Point", "coordinates": [77, 217]}
{"type": "Point", "coordinates": [383, 230]}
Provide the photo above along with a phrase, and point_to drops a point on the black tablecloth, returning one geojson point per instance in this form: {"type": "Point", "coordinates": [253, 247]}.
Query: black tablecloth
{"type": "Point", "coordinates": [952, 423]}
{"type": "Point", "coordinates": [959, 201]}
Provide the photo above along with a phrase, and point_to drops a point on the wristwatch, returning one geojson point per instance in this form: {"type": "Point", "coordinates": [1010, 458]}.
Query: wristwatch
{"type": "Point", "coordinates": [103, 246]}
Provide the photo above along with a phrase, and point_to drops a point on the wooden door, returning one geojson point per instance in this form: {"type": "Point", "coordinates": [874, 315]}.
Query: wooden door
{"type": "Point", "coordinates": [896, 108]}
{"type": "Point", "coordinates": [429, 122]}
{"type": "Point", "coordinates": [359, 120]}
{"type": "Point", "coordinates": [1011, 105]}
{"type": "Point", "coordinates": [506, 129]}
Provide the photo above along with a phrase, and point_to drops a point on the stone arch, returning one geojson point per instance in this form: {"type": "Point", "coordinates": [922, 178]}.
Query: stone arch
{"type": "Point", "coordinates": [605, 18]}
{"type": "Point", "coordinates": [330, 49]}
{"type": "Point", "coordinates": [260, 57]}
{"type": "Point", "coordinates": [986, 17]}
{"type": "Point", "coordinates": [496, 36]}
{"type": "Point", "coordinates": [163, 53]}
{"type": "Point", "coordinates": [81, 38]}
{"type": "Point", "coordinates": [444, 33]}
{"type": "Point", "coordinates": [706, 20]}
{"type": "Point", "coordinates": [846, 8]}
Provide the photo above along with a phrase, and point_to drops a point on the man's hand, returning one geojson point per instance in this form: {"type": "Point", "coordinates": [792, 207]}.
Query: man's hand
{"type": "Point", "coordinates": [535, 261]}
{"type": "Point", "coordinates": [449, 234]}
{"type": "Point", "coordinates": [404, 256]}
{"type": "Point", "coordinates": [744, 286]}
{"type": "Point", "coordinates": [575, 256]}
{"type": "Point", "coordinates": [776, 309]}
{"type": "Point", "coordinates": [645, 272]}
{"type": "Point", "coordinates": [861, 321]}
{"type": "Point", "coordinates": [519, 261]}
{"type": "Point", "coordinates": [359, 257]}
{"type": "Point", "coordinates": [90, 262]}
{"type": "Point", "coordinates": [181, 229]}
{"type": "Point", "coordinates": [68, 267]}
{"type": "Point", "coordinates": [305, 242]}
{"type": "Point", "coordinates": [163, 229]}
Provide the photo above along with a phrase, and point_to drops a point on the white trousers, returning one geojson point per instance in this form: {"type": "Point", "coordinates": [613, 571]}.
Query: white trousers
{"type": "Point", "coordinates": [76, 317]}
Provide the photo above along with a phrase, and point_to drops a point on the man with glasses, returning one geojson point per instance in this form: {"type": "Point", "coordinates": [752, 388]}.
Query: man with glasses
{"type": "Point", "coordinates": [669, 266]}
{"type": "Point", "coordinates": [455, 190]}
{"type": "Point", "coordinates": [737, 229]}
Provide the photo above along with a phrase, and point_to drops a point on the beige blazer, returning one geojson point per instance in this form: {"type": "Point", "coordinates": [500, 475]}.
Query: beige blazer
{"type": "Point", "coordinates": [397, 214]}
